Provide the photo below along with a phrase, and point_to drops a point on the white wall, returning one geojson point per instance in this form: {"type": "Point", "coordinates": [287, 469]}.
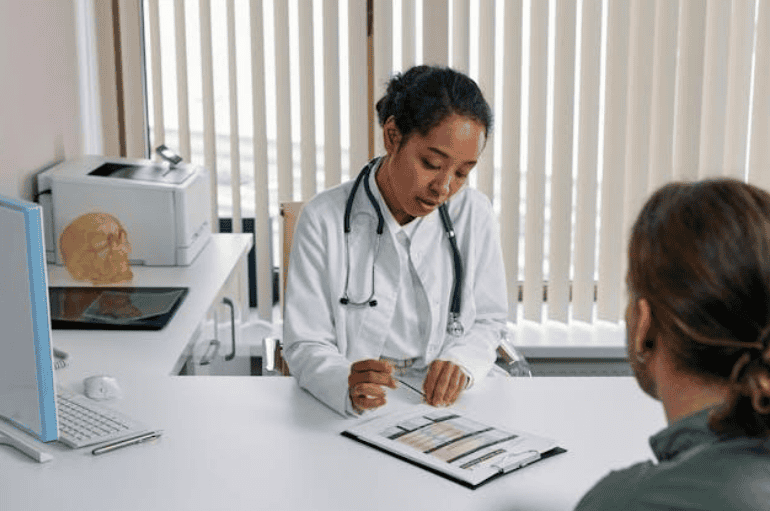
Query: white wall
{"type": "Point", "coordinates": [39, 96]}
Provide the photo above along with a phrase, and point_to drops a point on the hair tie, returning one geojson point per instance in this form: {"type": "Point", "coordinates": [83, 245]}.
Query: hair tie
{"type": "Point", "coordinates": [740, 364]}
{"type": "Point", "coordinates": [760, 394]}
{"type": "Point", "coordinates": [756, 386]}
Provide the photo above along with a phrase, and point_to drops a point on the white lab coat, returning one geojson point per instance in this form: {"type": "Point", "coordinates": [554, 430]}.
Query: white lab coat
{"type": "Point", "coordinates": [322, 337]}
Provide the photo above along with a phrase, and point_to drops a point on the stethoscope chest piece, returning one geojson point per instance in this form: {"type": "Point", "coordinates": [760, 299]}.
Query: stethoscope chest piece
{"type": "Point", "coordinates": [454, 327]}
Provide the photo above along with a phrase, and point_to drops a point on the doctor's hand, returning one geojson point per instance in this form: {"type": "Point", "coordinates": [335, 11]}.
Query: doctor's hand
{"type": "Point", "coordinates": [365, 383]}
{"type": "Point", "coordinates": [443, 383]}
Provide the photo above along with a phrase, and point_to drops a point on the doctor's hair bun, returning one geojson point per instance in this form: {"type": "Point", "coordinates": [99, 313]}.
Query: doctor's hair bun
{"type": "Point", "coordinates": [422, 97]}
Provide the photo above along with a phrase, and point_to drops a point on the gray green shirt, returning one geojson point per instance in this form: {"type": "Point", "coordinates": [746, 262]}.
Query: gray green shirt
{"type": "Point", "coordinates": [696, 470]}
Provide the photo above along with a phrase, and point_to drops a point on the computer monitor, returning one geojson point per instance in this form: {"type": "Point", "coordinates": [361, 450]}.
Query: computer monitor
{"type": "Point", "coordinates": [27, 387]}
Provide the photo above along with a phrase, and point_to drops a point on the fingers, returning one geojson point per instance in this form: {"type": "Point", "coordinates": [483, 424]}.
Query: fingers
{"type": "Point", "coordinates": [443, 383]}
{"type": "Point", "coordinates": [371, 365]}
{"type": "Point", "coordinates": [365, 383]}
{"type": "Point", "coordinates": [367, 395]}
{"type": "Point", "coordinates": [371, 371]}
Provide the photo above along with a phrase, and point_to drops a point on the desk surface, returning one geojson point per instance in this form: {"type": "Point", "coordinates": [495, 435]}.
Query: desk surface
{"type": "Point", "coordinates": [263, 443]}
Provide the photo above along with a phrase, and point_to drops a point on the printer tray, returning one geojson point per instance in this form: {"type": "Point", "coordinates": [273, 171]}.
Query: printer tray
{"type": "Point", "coordinates": [114, 308]}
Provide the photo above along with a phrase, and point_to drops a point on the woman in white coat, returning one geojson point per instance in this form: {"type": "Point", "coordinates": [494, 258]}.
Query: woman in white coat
{"type": "Point", "coordinates": [381, 296]}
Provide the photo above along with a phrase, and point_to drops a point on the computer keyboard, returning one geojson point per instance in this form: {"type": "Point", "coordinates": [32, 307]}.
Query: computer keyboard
{"type": "Point", "coordinates": [83, 422]}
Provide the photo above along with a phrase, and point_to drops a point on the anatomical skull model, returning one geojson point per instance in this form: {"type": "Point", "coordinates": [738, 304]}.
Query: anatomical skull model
{"type": "Point", "coordinates": [95, 247]}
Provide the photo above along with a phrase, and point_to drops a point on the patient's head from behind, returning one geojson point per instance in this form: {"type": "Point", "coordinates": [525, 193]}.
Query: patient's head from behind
{"type": "Point", "coordinates": [699, 299]}
{"type": "Point", "coordinates": [95, 247]}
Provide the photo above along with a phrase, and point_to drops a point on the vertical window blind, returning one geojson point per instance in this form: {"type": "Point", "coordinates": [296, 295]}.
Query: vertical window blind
{"type": "Point", "coordinates": [597, 103]}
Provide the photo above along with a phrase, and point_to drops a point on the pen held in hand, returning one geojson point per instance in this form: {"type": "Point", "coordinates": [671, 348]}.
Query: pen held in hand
{"type": "Point", "coordinates": [410, 387]}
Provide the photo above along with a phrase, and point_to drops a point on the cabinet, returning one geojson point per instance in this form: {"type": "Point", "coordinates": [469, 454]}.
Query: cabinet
{"type": "Point", "coordinates": [225, 343]}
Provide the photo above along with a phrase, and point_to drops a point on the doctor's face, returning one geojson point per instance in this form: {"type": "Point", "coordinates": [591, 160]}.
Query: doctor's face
{"type": "Point", "coordinates": [422, 173]}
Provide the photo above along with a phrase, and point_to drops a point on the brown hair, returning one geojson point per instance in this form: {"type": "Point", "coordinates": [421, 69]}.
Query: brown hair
{"type": "Point", "coordinates": [700, 254]}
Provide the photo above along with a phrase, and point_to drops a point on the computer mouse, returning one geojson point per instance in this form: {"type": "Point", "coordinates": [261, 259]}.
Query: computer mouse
{"type": "Point", "coordinates": [101, 387]}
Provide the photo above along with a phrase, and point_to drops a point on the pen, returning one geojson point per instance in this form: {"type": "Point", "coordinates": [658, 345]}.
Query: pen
{"type": "Point", "coordinates": [150, 435]}
{"type": "Point", "coordinates": [409, 386]}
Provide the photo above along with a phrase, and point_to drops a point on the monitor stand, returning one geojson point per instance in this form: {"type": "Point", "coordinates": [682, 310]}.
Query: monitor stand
{"type": "Point", "coordinates": [11, 436]}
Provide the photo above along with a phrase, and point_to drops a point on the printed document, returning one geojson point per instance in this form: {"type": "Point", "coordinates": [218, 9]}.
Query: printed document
{"type": "Point", "coordinates": [447, 442]}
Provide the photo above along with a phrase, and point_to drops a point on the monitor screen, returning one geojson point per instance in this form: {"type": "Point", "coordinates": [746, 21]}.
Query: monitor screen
{"type": "Point", "coordinates": [27, 388]}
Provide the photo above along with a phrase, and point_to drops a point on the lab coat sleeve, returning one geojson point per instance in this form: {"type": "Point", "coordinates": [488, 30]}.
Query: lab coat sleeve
{"type": "Point", "coordinates": [476, 350]}
{"type": "Point", "coordinates": [310, 344]}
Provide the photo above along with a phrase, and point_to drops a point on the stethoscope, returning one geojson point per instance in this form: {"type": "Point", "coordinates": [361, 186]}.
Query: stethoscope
{"type": "Point", "coordinates": [454, 326]}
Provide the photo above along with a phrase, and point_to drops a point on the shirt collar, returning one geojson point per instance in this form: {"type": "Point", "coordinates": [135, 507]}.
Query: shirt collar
{"type": "Point", "coordinates": [683, 435]}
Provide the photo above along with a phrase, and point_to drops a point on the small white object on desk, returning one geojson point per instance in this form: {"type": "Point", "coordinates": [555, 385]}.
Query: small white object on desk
{"type": "Point", "coordinates": [102, 387]}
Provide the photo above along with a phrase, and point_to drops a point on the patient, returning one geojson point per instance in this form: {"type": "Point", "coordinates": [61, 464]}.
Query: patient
{"type": "Point", "coordinates": [698, 329]}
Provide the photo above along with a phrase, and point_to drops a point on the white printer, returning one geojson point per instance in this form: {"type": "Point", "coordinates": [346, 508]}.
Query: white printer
{"type": "Point", "coordinates": [164, 208]}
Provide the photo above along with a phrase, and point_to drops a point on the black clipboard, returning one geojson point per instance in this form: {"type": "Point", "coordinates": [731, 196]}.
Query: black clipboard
{"type": "Point", "coordinates": [452, 444]}
{"type": "Point", "coordinates": [114, 308]}
{"type": "Point", "coordinates": [544, 455]}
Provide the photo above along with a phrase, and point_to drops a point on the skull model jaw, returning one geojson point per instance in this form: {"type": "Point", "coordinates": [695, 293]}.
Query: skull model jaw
{"type": "Point", "coordinates": [95, 247]}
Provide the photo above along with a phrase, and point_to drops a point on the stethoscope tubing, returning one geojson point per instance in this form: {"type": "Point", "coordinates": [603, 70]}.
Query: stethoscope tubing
{"type": "Point", "coordinates": [456, 302]}
{"type": "Point", "coordinates": [454, 307]}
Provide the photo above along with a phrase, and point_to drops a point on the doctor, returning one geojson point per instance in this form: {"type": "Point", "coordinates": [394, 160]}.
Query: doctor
{"type": "Point", "coordinates": [383, 282]}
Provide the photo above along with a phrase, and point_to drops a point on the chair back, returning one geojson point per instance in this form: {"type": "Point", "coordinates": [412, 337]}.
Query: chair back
{"type": "Point", "coordinates": [290, 213]}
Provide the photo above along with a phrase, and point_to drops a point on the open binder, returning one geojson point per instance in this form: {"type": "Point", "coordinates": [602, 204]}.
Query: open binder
{"type": "Point", "coordinates": [449, 444]}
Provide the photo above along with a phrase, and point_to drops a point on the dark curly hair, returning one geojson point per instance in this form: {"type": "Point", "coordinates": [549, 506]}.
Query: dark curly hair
{"type": "Point", "coordinates": [422, 97]}
{"type": "Point", "coordinates": [700, 254]}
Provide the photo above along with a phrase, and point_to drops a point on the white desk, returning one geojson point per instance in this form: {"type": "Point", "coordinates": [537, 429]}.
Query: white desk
{"type": "Point", "coordinates": [262, 443]}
